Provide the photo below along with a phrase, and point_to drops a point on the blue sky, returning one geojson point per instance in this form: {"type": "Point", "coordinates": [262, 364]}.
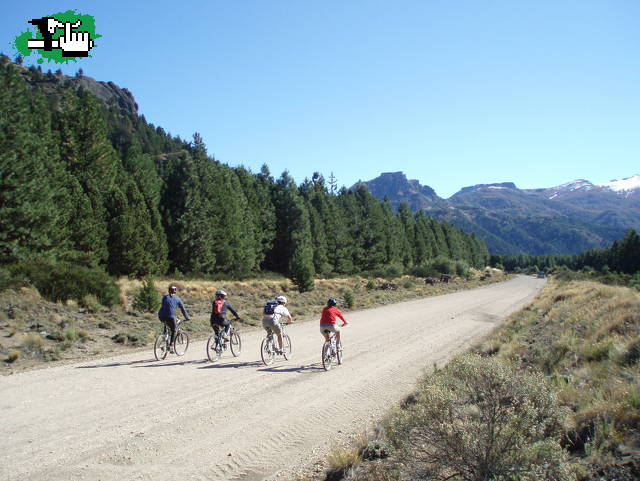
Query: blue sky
{"type": "Point", "coordinates": [453, 93]}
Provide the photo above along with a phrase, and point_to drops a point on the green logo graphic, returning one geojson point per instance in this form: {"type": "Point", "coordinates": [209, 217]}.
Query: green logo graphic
{"type": "Point", "coordinates": [60, 37]}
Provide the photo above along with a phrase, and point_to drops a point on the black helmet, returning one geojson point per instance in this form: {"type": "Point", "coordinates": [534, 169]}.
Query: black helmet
{"type": "Point", "coordinates": [172, 289]}
{"type": "Point", "coordinates": [332, 302]}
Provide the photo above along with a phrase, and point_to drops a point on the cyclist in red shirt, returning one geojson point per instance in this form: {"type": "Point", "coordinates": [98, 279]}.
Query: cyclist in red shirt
{"type": "Point", "coordinates": [328, 321]}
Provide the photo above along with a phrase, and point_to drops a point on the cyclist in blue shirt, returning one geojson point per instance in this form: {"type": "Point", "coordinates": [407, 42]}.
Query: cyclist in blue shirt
{"type": "Point", "coordinates": [167, 312]}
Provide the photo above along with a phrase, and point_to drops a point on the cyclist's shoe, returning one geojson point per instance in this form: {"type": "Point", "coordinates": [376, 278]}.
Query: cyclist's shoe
{"type": "Point", "coordinates": [279, 352]}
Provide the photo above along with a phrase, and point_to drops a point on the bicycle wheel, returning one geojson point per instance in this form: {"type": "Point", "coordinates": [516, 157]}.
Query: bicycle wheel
{"type": "Point", "coordinates": [212, 353]}
{"type": "Point", "coordinates": [267, 351]}
{"type": "Point", "coordinates": [181, 343]}
{"type": "Point", "coordinates": [236, 343]}
{"type": "Point", "coordinates": [160, 347]}
{"type": "Point", "coordinates": [287, 351]}
{"type": "Point", "coordinates": [327, 358]}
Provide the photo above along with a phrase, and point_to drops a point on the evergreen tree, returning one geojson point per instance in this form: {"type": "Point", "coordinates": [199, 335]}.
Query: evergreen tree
{"type": "Point", "coordinates": [33, 198]}
{"type": "Point", "coordinates": [292, 251]}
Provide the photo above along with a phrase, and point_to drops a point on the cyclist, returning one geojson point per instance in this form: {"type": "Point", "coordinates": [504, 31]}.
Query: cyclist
{"type": "Point", "coordinates": [328, 321]}
{"type": "Point", "coordinates": [167, 312]}
{"type": "Point", "coordinates": [219, 314]}
{"type": "Point", "coordinates": [271, 322]}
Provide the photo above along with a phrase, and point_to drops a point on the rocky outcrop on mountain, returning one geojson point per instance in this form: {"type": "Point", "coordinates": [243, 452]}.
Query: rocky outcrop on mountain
{"type": "Point", "coordinates": [398, 189]}
{"type": "Point", "coordinates": [108, 92]}
{"type": "Point", "coordinates": [568, 218]}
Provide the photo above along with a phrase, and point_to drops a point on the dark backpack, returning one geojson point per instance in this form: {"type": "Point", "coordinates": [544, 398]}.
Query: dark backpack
{"type": "Point", "coordinates": [269, 308]}
{"type": "Point", "coordinates": [218, 304]}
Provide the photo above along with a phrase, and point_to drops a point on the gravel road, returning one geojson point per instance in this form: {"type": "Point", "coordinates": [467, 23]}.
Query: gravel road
{"type": "Point", "coordinates": [132, 418]}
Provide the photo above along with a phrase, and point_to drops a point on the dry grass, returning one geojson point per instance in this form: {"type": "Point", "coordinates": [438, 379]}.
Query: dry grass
{"type": "Point", "coordinates": [586, 337]}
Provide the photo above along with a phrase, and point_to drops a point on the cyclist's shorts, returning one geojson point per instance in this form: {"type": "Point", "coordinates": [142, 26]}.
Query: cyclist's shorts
{"type": "Point", "coordinates": [329, 327]}
{"type": "Point", "coordinates": [216, 321]}
{"type": "Point", "coordinates": [271, 326]}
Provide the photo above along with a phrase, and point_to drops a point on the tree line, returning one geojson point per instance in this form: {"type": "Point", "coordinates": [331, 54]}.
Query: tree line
{"type": "Point", "coordinates": [623, 256]}
{"type": "Point", "coordinates": [94, 185]}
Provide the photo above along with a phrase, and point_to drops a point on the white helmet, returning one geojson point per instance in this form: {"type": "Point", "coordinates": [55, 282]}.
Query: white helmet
{"type": "Point", "coordinates": [221, 293]}
{"type": "Point", "coordinates": [281, 300]}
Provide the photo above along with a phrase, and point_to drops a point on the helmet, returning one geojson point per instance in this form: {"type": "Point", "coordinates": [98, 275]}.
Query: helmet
{"type": "Point", "coordinates": [332, 302]}
{"type": "Point", "coordinates": [173, 288]}
{"type": "Point", "coordinates": [221, 293]}
{"type": "Point", "coordinates": [281, 300]}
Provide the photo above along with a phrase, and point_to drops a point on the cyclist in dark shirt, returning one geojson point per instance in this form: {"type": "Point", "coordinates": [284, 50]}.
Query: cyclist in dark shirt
{"type": "Point", "coordinates": [219, 314]}
{"type": "Point", "coordinates": [167, 312]}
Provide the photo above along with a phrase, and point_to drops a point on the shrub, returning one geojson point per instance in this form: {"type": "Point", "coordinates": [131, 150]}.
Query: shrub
{"type": "Point", "coordinates": [90, 302]}
{"type": "Point", "coordinates": [146, 299]}
{"type": "Point", "coordinates": [71, 335]}
{"type": "Point", "coordinates": [12, 356]}
{"type": "Point", "coordinates": [483, 419]}
{"type": "Point", "coordinates": [62, 281]}
{"type": "Point", "coordinates": [33, 343]}
{"type": "Point", "coordinates": [135, 338]}
{"type": "Point", "coordinates": [461, 268]}
{"type": "Point", "coordinates": [376, 449]}
{"type": "Point", "coordinates": [371, 284]}
{"type": "Point", "coordinates": [442, 265]}
{"type": "Point", "coordinates": [348, 298]}
{"type": "Point", "coordinates": [408, 284]}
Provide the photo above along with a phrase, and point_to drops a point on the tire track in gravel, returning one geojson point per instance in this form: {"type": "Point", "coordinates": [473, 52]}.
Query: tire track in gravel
{"type": "Point", "coordinates": [130, 417]}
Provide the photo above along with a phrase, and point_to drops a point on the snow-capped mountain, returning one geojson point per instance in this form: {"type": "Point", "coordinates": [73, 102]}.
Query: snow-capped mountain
{"type": "Point", "coordinates": [568, 218]}
{"type": "Point", "coordinates": [626, 186]}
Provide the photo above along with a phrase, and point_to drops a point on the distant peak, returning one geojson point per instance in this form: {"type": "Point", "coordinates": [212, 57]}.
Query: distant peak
{"type": "Point", "coordinates": [630, 183]}
{"type": "Point", "coordinates": [496, 186]}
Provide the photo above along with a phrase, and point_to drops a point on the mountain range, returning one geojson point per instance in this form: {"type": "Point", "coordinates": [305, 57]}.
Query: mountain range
{"type": "Point", "coordinates": [566, 219]}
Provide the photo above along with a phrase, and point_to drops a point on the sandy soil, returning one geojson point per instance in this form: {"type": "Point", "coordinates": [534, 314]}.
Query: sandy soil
{"type": "Point", "coordinates": [133, 418]}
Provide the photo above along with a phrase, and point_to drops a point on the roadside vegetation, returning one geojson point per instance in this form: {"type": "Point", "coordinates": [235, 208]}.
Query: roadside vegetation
{"type": "Point", "coordinates": [35, 330]}
{"type": "Point", "coordinates": [553, 394]}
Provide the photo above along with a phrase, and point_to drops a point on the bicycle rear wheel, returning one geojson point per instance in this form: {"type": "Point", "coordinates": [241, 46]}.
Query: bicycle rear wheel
{"type": "Point", "coordinates": [160, 347]}
{"type": "Point", "coordinates": [212, 353]}
{"type": "Point", "coordinates": [181, 343]}
{"type": "Point", "coordinates": [327, 358]}
{"type": "Point", "coordinates": [286, 347]}
{"type": "Point", "coordinates": [267, 350]}
{"type": "Point", "coordinates": [236, 343]}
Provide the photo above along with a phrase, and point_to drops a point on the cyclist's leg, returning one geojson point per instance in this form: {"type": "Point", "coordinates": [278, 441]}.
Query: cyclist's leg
{"type": "Point", "coordinates": [173, 326]}
{"type": "Point", "coordinates": [326, 330]}
{"type": "Point", "coordinates": [277, 328]}
{"type": "Point", "coordinates": [227, 328]}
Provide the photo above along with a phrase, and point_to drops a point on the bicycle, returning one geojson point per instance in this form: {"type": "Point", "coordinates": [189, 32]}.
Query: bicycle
{"type": "Point", "coordinates": [268, 347]}
{"type": "Point", "coordinates": [330, 352]}
{"type": "Point", "coordinates": [217, 344]}
{"type": "Point", "coordinates": [162, 345]}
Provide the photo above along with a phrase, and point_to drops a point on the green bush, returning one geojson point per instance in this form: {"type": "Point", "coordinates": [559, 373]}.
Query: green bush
{"type": "Point", "coordinates": [442, 265]}
{"type": "Point", "coordinates": [134, 338]}
{"type": "Point", "coordinates": [146, 298]}
{"type": "Point", "coordinates": [375, 449]}
{"type": "Point", "coordinates": [90, 303]}
{"type": "Point", "coordinates": [462, 268]}
{"type": "Point", "coordinates": [484, 419]}
{"type": "Point", "coordinates": [371, 284]}
{"type": "Point", "coordinates": [62, 281]}
{"type": "Point", "coordinates": [348, 298]}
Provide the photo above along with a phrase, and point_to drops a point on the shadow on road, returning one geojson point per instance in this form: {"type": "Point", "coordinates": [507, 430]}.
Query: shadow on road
{"type": "Point", "coordinates": [316, 367]}
{"type": "Point", "coordinates": [236, 365]}
{"type": "Point", "coordinates": [117, 364]}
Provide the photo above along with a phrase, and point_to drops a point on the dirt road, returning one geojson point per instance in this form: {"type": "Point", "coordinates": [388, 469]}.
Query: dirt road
{"type": "Point", "coordinates": [132, 418]}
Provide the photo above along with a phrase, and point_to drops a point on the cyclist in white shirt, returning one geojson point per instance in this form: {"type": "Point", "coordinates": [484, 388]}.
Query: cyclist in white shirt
{"type": "Point", "coordinates": [271, 322]}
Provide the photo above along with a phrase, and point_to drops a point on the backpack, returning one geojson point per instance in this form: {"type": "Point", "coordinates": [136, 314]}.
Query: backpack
{"type": "Point", "coordinates": [269, 308]}
{"type": "Point", "coordinates": [218, 304]}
